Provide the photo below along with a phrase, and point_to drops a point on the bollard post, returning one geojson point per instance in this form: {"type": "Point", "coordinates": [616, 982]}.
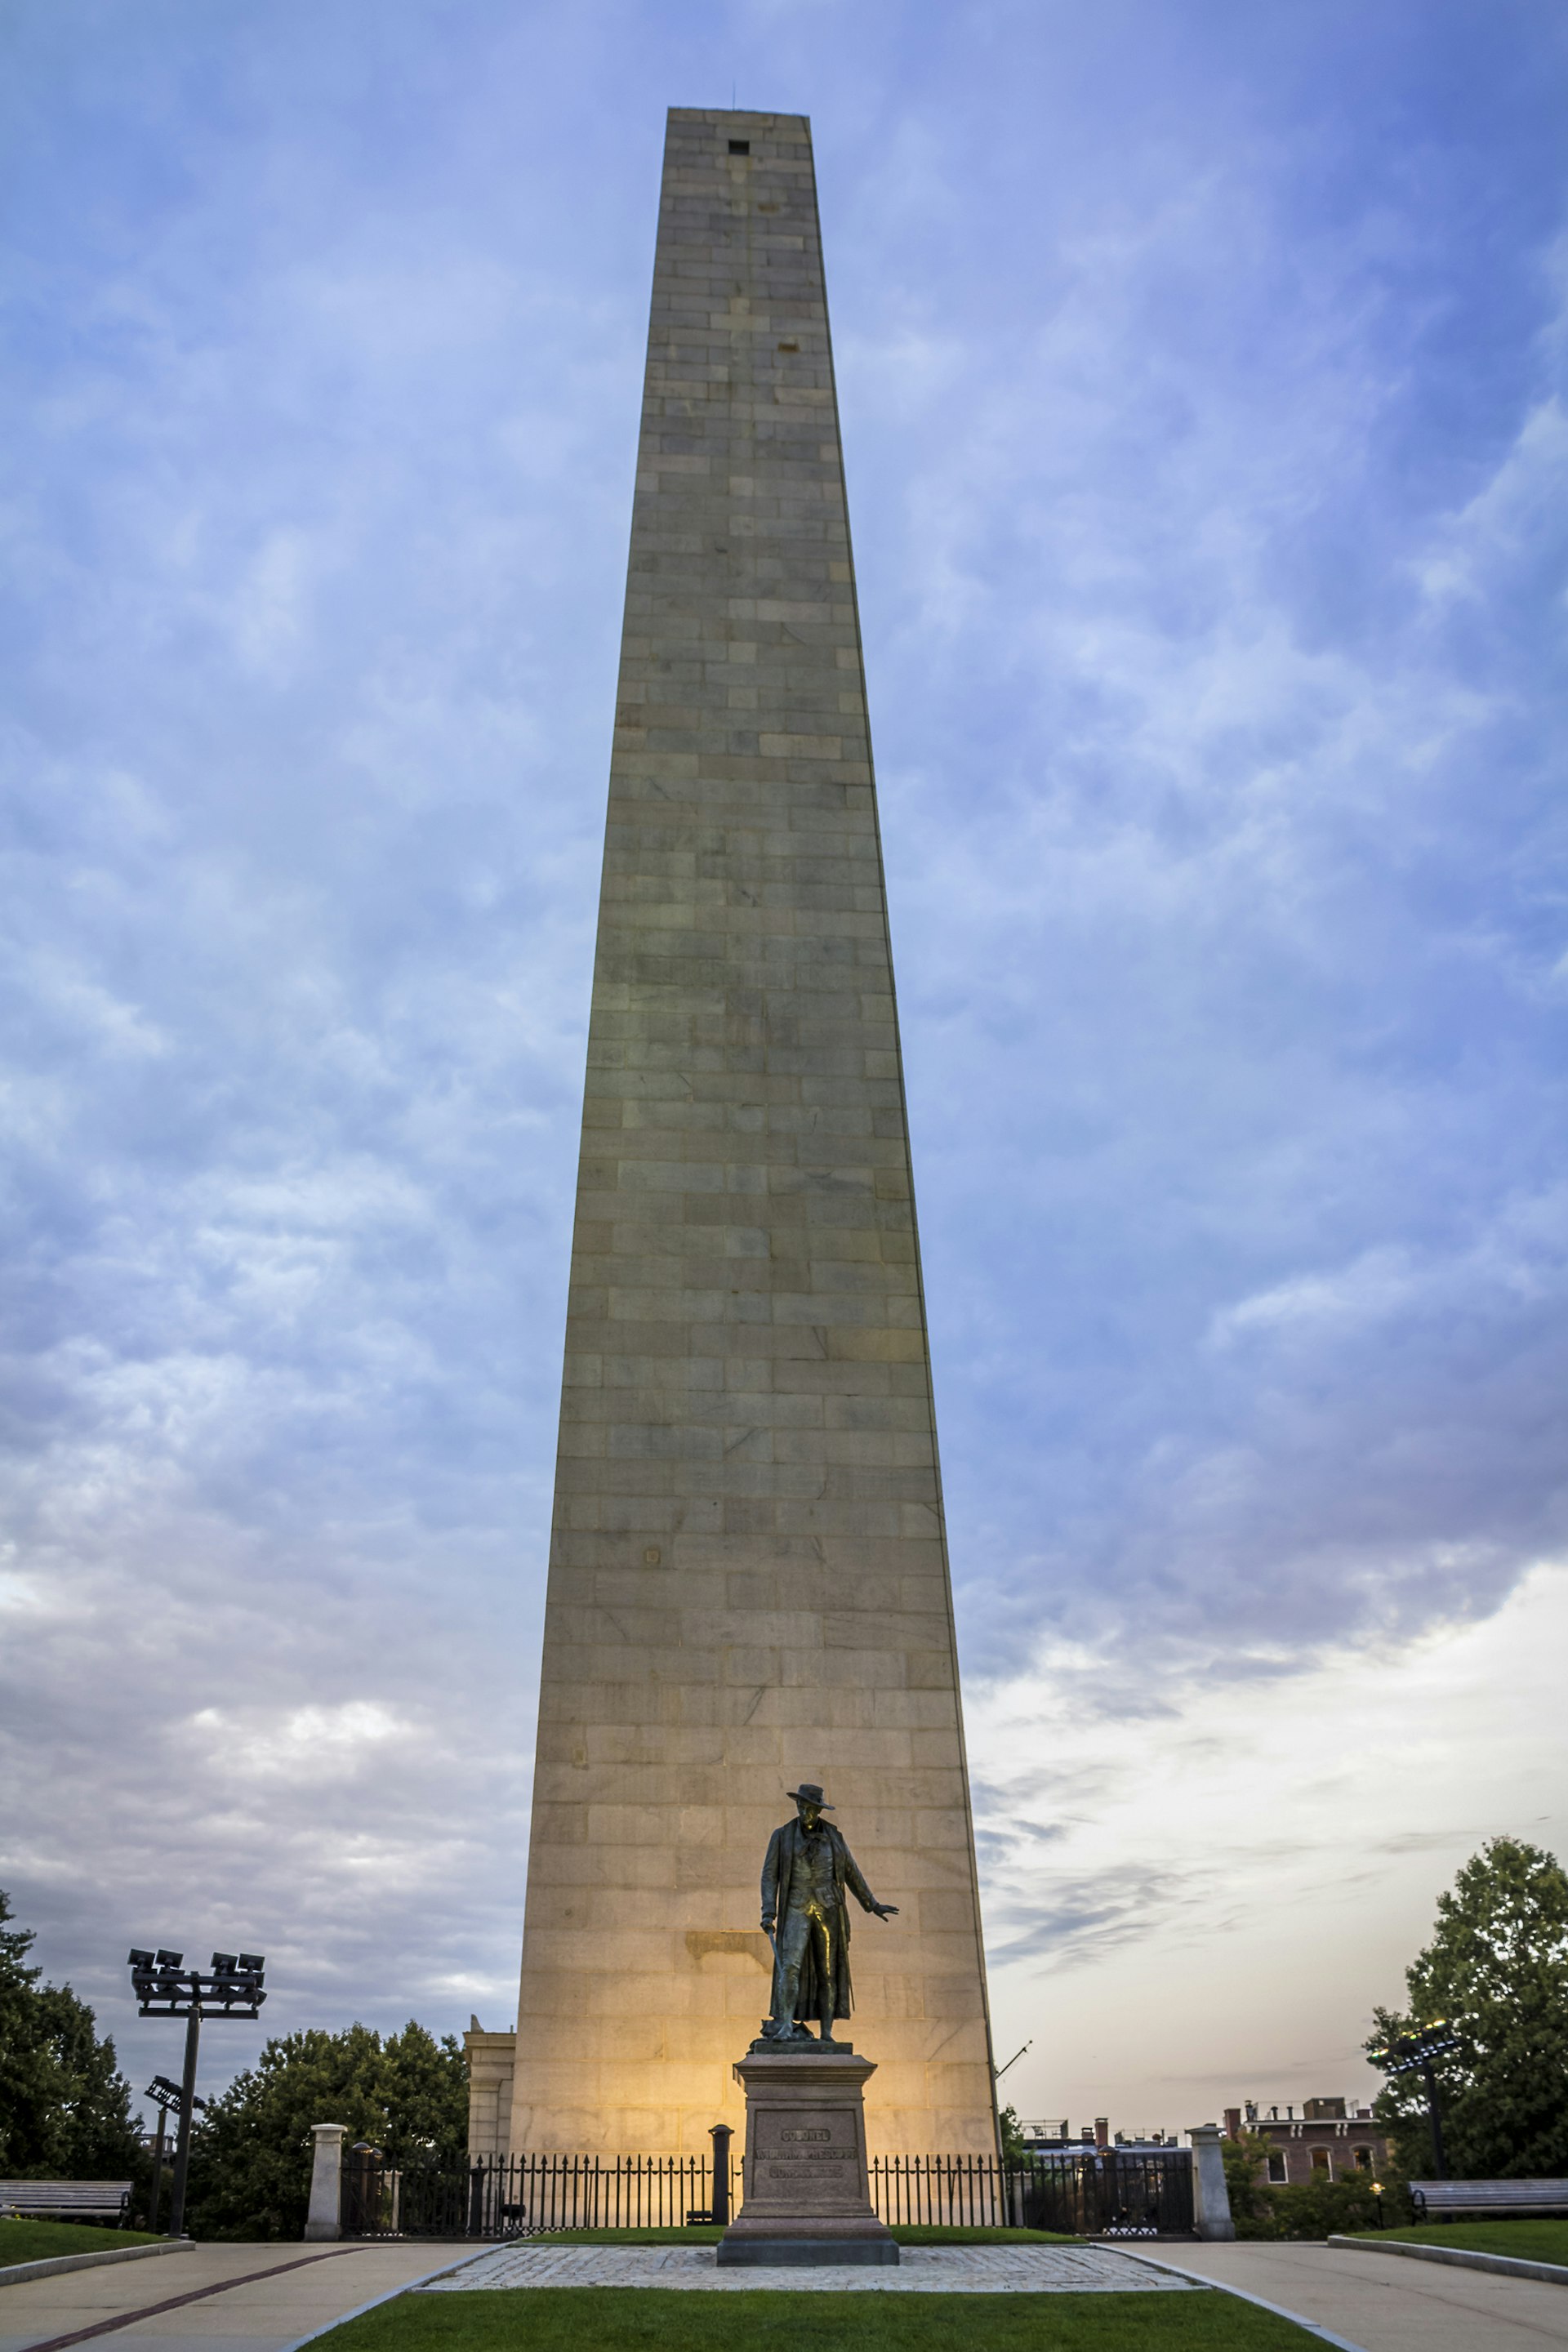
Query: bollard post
{"type": "Point", "coordinates": [1211, 2198]}
{"type": "Point", "coordinates": [325, 2219]}
{"type": "Point", "coordinates": [719, 2203]}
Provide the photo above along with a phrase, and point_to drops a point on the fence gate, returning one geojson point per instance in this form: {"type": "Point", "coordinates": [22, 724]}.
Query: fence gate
{"type": "Point", "coordinates": [1108, 2193]}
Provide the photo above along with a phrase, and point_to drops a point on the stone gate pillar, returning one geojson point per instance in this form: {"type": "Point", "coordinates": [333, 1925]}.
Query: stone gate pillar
{"type": "Point", "coordinates": [326, 2217]}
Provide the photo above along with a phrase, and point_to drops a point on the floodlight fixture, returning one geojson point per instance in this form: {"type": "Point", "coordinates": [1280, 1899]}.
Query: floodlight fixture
{"type": "Point", "coordinates": [168, 2094]}
{"type": "Point", "coordinates": [164, 1987]}
{"type": "Point", "coordinates": [1416, 2052]}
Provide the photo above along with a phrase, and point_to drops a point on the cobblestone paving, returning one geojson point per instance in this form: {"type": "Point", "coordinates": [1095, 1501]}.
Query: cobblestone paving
{"type": "Point", "coordinates": [922, 2270]}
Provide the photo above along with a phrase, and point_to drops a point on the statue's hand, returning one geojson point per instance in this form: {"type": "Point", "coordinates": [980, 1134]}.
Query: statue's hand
{"type": "Point", "coordinates": [886, 1910]}
{"type": "Point", "coordinates": [767, 1927]}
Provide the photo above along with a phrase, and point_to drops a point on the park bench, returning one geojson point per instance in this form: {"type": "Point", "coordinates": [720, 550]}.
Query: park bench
{"type": "Point", "coordinates": [1436, 2200]}
{"type": "Point", "coordinates": [67, 2200]}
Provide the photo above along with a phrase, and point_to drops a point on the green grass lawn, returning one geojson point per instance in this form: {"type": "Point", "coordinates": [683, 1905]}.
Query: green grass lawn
{"type": "Point", "coordinates": [35, 2242]}
{"type": "Point", "coordinates": [698, 2233]}
{"type": "Point", "coordinates": [1529, 2240]}
{"type": "Point", "coordinates": [651, 2319]}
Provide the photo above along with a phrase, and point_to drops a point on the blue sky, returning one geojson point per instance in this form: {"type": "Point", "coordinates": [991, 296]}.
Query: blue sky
{"type": "Point", "coordinates": [1201, 372]}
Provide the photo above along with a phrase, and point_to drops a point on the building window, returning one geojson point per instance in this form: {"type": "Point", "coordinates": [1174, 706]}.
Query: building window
{"type": "Point", "coordinates": [1320, 2161]}
{"type": "Point", "coordinates": [1276, 2166]}
{"type": "Point", "coordinates": [1362, 2159]}
{"type": "Point", "coordinates": [740, 146]}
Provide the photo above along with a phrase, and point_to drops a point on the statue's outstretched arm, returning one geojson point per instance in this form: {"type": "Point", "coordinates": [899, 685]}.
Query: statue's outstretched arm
{"type": "Point", "coordinates": [862, 1893]}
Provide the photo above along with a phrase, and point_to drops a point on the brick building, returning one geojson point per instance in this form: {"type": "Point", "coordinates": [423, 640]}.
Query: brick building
{"type": "Point", "coordinates": [1336, 2136]}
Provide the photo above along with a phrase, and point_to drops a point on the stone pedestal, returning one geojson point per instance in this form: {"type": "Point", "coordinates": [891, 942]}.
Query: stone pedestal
{"type": "Point", "coordinates": [806, 2193]}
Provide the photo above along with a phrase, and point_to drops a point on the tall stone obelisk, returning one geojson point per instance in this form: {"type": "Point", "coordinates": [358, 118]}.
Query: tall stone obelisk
{"type": "Point", "coordinates": [748, 1578]}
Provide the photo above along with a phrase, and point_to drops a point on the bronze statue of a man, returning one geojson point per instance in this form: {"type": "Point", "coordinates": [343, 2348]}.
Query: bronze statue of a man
{"type": "Point", "coordinates": [804, 1878]}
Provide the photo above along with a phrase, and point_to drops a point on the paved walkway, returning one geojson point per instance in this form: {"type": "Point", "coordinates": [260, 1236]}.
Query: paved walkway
{"type": "Point", "coordinates": [922, 2270]}
{"type": "Point", "coordinates": [264, 2298]}
{"type": "Point", "coordinates": [299, 2288]}
{"type": "Point", "coordinates": [1383, 2305]}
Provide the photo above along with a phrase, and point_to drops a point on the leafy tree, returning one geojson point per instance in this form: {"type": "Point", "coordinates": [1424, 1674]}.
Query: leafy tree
{"type": "Point", "coordinates": [1497, 1970]}
{"type": "Point", "coordinates": [250, 2158]}
{"type": "Point", "coordinates": [64, 2107]}
{"type": "Point", "coordinates": [26, 2080]}
{"type": "Point", "coordinates": [1012, 2130]}
{"type": "Point", "coordinates": [426, 2095]}
{"type": "Point", "coordinates": [1245, 2178]}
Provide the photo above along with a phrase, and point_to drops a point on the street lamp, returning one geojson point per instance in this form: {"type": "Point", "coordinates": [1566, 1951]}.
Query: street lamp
{"type": "Point", "coordinates": [1404, 2054]}
{"type": "Point", "coordinates": [164, 1987]}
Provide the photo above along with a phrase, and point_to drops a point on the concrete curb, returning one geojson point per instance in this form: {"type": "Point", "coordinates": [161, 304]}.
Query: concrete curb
{"type": "Point", "coordinates": [1461, 2257]}
{"type": "Point", "coordinates": [16, 2273]}
{"type": "Point", "coordinates": [1223, 2286]}
{"type": "Point", "coordinates": [405, 2286]}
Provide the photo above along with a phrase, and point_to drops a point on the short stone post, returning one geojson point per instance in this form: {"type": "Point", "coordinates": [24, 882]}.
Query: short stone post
{"type": "Point", "coordinates": [1211, 2198]}
{"type": "Point", "coordinates": [719, 2202]}
{"type": "Point", "coordinates": [325, 2219]}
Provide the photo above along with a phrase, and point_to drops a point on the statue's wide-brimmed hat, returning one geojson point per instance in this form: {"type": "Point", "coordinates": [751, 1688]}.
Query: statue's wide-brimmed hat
{"type": "Point", "coordinates": [812, 1794]}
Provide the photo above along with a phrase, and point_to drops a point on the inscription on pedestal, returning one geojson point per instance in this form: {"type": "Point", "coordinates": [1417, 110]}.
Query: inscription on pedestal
{"type": "Point", "coordinates": [784, 2144]}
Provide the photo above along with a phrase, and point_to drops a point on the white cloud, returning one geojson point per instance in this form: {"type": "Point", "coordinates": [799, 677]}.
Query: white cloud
{"type": "Point", "coordinates": [304, 1743]}
{"type": "Point", "coordinates": [1257, 1860]}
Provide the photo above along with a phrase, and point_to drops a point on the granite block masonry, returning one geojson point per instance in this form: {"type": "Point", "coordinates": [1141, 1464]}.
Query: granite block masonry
{"type": "Point", "coordinates": [748, 1575]}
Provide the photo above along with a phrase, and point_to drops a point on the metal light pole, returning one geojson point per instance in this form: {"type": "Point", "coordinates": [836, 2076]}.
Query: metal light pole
{"type": "Point", "coordinates": [1407, 2053]}
{"type": "Point", "coordinates": [1435, 2111]}
{"type": "Point", "coordinates": [169, 2098]}
{"type": "Point", "coordinates": [156, 2199]}
{"type": "Point", "coordinates": [165, 1988]}
{"type": "Point", "coordinates": [998, 2072]}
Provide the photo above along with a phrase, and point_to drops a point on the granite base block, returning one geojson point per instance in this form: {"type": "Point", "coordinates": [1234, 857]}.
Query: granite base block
{"type": "Point", "coordinates": [801, 2253]}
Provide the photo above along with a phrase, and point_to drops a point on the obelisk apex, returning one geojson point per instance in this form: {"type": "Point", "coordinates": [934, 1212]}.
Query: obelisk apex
{"type": "Point", "coordinates": [748, 1574]}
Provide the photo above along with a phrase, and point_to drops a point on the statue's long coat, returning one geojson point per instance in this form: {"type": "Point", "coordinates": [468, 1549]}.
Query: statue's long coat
{"type": "Point", "coordinates": [783, 1852]}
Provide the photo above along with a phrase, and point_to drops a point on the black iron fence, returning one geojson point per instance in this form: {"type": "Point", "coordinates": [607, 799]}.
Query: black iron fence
{"type": "Point", "coordinates": [523, 2196]}
{"type": "Point", "coordinates": [1083, 2192]}
{"type": "Point", "coordinates": [1088, 2193]}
